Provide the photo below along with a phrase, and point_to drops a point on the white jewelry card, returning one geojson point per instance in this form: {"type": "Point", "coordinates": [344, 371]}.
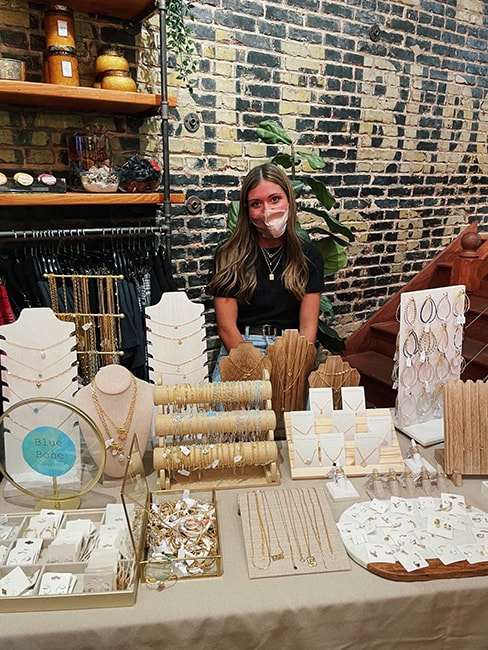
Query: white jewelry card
{"type": "Point", "coordinates": [305, 452]}
{"type": "Point", "coordinates": [302, 424]}
{"type": "Point", "coordinates": [353, 399]}
{"type": "Point", "coordinates": [25, 551]}
{"type": "Point", "coordinates": [367, 449]}
{"type": "Point", "coordinates": [332, 449]}
{"type": "Point", "coordinates": [321, 401]}
{"type": "Point", "coordinates": [344, 422]}
{"type": "Point", "coordinates": [380, 426]}
{"type": "Point", "coordinates": [14, 583]}
{"type": "Point", "coordinates": [56, 583]}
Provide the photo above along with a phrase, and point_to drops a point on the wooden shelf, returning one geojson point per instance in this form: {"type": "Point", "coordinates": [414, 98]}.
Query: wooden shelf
{"type": "Point", "coordinates": [79, 98]}
{"type": "Point", "coordinates": [86, 198]}
{"type": "Point", "coordinates": [133, 10]}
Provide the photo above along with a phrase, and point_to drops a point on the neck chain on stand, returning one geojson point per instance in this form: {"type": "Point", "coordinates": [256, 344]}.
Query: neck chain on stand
{"type": "Point", "coordinates": [272, 259]}
{"type": "Point", "coordinates": [117, 446]}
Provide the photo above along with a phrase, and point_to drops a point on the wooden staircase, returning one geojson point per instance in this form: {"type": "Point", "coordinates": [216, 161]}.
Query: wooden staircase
{"type": "Point", "coordinates": [371, 348]}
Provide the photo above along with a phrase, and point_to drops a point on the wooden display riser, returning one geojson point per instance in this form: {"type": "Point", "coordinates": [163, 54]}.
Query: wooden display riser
{"type": "Point", "coordinates": [435, 571]}
{"type": "Point", "coordinates": [390, 457]}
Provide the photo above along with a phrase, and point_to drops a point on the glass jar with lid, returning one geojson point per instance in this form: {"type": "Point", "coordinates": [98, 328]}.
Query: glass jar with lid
{"type": "Point", "coordinates": [59, 26]}
{"type": "Point", "coordinates": [110, 58]}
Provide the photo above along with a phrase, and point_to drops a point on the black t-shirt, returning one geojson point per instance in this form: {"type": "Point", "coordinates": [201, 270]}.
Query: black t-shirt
{"type": "Point", "coordinates": [271, 303]}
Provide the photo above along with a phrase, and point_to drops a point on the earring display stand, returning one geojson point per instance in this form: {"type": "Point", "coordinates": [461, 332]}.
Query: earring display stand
{"type": "Point", "coordinates": [429, 354]}
{"type": "Point", "coordinates": [176, 340]}
{"type": "Point", "coordinates": [465, 430]}
{"type": "Point", "coordinates": [215, 435]}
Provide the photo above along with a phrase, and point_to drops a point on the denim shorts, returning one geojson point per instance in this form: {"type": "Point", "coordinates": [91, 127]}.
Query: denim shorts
{"type": "Point", "coordinates": [258, 340]}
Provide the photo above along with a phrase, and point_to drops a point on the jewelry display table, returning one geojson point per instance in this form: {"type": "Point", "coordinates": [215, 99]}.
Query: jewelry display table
{"type": "Point", "coordinates": [326, 611]}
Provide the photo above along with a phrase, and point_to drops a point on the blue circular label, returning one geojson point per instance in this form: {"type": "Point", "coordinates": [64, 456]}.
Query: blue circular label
{"type": "Point", "coordinates": [49, 451]}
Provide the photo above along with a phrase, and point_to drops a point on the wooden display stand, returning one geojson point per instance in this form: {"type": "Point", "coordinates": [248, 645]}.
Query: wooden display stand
{"type": "Point", "coordinates": [334, 373]}
{"type": "Point", "coordinates": [390, 456]}
{"type": "Point", "coordinates": [223, 411]}
{"type": "Point", "coordinates": [465, 430]}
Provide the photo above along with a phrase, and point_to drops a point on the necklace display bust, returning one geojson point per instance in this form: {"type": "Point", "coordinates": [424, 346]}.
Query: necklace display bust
{"type": "Point", "coordinates": [121, 406]}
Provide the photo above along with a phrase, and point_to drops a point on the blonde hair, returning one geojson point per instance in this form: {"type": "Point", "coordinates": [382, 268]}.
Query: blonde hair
{"type": "Point", "coordinates": [236, 258]}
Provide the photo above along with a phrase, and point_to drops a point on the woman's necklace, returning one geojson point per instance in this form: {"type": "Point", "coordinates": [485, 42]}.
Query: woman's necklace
{"type": "Point", "coordinates": [272, 259]}
{"type": "Point", "coordinates": [117, 446]}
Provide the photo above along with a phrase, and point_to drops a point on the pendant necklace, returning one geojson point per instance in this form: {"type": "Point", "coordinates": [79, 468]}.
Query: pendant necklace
{"type": "Point", "coordinates": [116, 446]}
{"type": "Point", "coordinates": [272, 259]}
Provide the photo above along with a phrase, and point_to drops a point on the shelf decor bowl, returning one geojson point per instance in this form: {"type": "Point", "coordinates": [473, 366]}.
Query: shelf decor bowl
{"type": "Point", "coordinates": [138, 172]}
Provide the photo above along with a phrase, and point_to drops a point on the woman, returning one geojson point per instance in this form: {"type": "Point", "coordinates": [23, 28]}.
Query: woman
{"type": "Point", "coordinates": [266, 279]}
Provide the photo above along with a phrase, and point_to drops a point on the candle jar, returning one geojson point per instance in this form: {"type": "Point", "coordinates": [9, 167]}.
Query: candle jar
{"type": "Point", "coordinates": [110, 58]}
{"type": "Point", "coordinates": [59, 26]}
{"type": "Point", "coordinates": [118, 80]}
{"type": "Point", "coordinates": [63, 66]}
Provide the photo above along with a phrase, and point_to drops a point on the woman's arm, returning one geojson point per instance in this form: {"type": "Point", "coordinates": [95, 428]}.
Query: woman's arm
{"type": "Point", "coordinates": [309, 316]}
{"type": "Point", "coordinates": [226, 315]}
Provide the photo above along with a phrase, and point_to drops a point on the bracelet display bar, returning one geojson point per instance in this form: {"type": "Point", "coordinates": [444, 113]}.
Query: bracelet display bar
{"type": "Point", "coordinates": [226, 454]}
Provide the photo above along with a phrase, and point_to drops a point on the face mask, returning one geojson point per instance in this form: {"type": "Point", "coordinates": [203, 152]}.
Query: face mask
{"type": "Point", "coordinates": [273, 225]}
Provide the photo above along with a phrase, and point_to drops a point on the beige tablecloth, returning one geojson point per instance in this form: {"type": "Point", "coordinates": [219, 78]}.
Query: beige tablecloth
{"type": "Point", "coordinates": [349, 610]}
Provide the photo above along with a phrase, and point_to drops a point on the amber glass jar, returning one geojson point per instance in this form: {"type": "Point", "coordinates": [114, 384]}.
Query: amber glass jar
{"type": "Point", "coordinates": [63, 66]}
{"type": "Point", "coordinates": [118, 80]}
{"type": "Point", "coordinates": [59, 26]}
{"type": "Point", "coordinates": [110, 58]}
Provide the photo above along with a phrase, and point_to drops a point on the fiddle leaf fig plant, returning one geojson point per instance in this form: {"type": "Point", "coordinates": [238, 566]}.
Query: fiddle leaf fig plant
{"type": "Point", "coordinates": [323, 230]}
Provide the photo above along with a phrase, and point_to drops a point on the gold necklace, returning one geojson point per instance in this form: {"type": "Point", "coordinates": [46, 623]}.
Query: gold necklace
{"type": "Point", "coordinates": [178, 339]}
{"type": "Point", "coordinates": [311, 561]}
{"type": "Point", "coordinates": [39, 380]}
{"type": "Point", "coordinates": [304, 433]}
{"type": "Point", "coordinates": [266, 558]}
{"type": "Point", "coordinates": [32, 348]}
{"type": "Point", "coordinates": [364, 459]}
{"type": "Point", "coordinates": [324, 521]}
{"type": "Point", "coordinates": [246, 372]}
{"type": "Point", "coordinates": [177, 325]}
{"type": "Point", "coordinates": [308, 461]}
{"type": "Point", "coordinates": [313, 523]}
{"type": "Point", "coordinates": [291, 519]}
{"type": "Point", "coordinates": [274, 556]}
{"type": "Point", "coordinates": [272, 260]}
{"type": "Point", "coordinates": [284, 523]}
{"type": "Point", "coordinates": [117, 446]}
{"type": "Point", "coordinates": [333, 460]}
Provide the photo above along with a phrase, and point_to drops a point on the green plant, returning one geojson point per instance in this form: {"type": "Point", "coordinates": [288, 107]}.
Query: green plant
{"type": "Point", "coordinates": [330, 240]}
{"type": "Point", "coordinates": [180, 41]}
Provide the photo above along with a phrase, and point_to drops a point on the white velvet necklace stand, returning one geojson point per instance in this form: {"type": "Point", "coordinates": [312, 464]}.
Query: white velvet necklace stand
{"type": "Point", "coordinates": [114, 387]}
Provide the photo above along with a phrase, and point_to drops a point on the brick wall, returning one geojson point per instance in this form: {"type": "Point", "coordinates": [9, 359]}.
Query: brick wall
{"type": "Point", "coordinates": [401, 121]}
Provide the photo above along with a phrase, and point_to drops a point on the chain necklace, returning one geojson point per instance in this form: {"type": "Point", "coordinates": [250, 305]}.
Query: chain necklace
{"type": "Point", "coordinates": [272, 259]}
{"type": "Point", "coordinates": [117, 447]}
{"type": "Point", "coordinates": [32, 348]}
{"type": "Point", "coordinates": [178, 339]}
{"type": "Point", "coordinates": [40, 379]}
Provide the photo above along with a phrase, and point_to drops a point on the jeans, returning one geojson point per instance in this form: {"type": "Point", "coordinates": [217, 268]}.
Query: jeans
{"type": "Point", "coordinates": [259, 341]}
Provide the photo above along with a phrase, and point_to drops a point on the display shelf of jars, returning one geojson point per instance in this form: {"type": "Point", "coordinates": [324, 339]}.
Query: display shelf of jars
{"type": "Point", "coordinates": [87, 198]}
{"type": "Point", "coordinates": [133, 10]}
{"type": "Point", "coordinates": [79, 98]}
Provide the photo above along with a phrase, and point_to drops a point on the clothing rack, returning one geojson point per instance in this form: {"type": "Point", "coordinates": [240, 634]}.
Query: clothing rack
{"type": "Point", "coordinates": [75, 233]}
